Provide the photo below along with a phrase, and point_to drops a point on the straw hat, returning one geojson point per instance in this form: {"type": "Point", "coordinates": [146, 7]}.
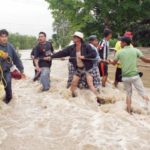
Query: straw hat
{"type": "Point", "coordinates": [79, 34]}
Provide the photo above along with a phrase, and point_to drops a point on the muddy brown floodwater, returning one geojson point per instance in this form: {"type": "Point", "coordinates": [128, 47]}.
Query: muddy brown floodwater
{"type": "Point", "coordinates": [54, 120]}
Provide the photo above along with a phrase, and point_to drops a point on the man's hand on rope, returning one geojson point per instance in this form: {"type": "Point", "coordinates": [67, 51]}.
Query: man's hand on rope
{"type": "Point", "coordinates": [49, 58]}
{"type": "Point", "coordinates": [81, 57]}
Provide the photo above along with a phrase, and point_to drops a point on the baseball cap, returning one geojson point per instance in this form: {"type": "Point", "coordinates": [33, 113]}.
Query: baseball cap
{"type": "Point", "coordinates": [92, 37]}
{"type": "Point", "coordinates": [128, 34]}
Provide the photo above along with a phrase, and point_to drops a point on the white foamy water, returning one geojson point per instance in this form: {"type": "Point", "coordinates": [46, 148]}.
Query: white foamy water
{"type": "Point", "coordinates": [55, 121]}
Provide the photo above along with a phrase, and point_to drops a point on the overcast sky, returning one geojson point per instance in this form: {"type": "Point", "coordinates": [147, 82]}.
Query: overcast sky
{"type": "Point", "coordinates": [26, 16]}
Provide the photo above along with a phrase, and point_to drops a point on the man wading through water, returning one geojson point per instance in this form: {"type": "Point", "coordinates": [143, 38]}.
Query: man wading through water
{"type": "Point", "coordinates": [103, 49]}
{"type": "Point", "coordinates": [81, 56]}
{"type": "Point", "coordinates": [130, 75]}
{"type": "Point", "coordinates": [7, 64]}
{"type": "Point", "coordinates": [43, 63]}
{"type": "Point", "coordinates": [118, 48]}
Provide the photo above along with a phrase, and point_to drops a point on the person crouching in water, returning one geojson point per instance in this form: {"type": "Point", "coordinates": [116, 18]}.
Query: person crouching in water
{"type": "Point", "coordinates": [93, 42]}
{"type": "Point", "coordinates": [81, 56]}
{"type": "Point", "coordinates": [41, 53]}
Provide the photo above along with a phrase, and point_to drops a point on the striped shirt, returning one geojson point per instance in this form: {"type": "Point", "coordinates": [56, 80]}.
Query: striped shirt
{"type": "Point", "coordinates": [104, 50]}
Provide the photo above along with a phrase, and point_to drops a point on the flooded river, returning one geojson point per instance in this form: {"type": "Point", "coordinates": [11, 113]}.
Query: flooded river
{"type": "Point", "coordinates": [55, 121]}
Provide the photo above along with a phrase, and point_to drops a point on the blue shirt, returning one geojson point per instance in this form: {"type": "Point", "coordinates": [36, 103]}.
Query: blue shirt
{"type": "Point", "coordinates": [8, 48]}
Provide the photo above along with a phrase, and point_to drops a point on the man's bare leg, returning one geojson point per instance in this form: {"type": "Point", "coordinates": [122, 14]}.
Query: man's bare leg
{"type": "Point", "coordinates": [116, 84]}
{"type": "Point", "coordinates": [89, 79]}
{"type": "Point", "coordinates": [128, 101]}
{"type": "Point", "coordinates": [74, 85]}
{"type": "Point", "coordinates": [104, 80]}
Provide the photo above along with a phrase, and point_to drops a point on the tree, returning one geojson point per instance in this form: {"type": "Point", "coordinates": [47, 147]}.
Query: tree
{"type": "Point", "coordinates": [61, 28]}
{"type": "Point", "coordinates": [91, 17]}
{"type": "Point", "coordinates": [22, 41]}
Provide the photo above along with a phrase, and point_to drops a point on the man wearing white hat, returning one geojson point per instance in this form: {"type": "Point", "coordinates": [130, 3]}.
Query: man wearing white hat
{"type": "Point", "coordinates": [81, 56]}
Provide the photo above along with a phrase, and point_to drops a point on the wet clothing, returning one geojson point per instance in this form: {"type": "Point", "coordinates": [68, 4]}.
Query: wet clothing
{"type": "Point", "coordinates": [104, 50]}
{"type": "Point", "coordinates": [136, 82]}
{"type": "Point", "coordinates": [87, 52]}
{"type": "Point", "coordinates": [79, 61]}
{"type": "Point", "coordinates": [83, 83]}
{"type": "Point", "coordinates": [81, 72]}
{"type": "Point", "coordinates": [103, 53]}
{"type": "Point", "coordinates": [45, 78]}
{"type": "Point", "coordinates": [97, 58]}
{"type": "Point", "coordinates": [33, 51]}
{"type": "Point", "coordinates": [103, 68]}
{"type": "Point", "coordinates": [33, 54]}
{"type": "Point", "coordinates": [118, 48]}
{"type": "Point", "coordinates": [8, 48]}
{"type": "Point", "coordinates": [128, 58]}
{"type": "Point", "coordinates": [41, 51]}
{"type": "Point", "coordinates": [37, 74]}
{"type": "Point", "coordinates": [130, 75]}
{"type": "Point", "coordinates": [8, 86]}
{"type": "Point", "coordinates": [6, 65]}
{"type": "Point", "coordinates": [70, 51]}
{"type": "Point", "coordinates": [118, 75]}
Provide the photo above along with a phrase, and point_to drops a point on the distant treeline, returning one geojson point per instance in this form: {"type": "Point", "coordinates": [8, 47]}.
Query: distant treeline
{"type": "Point", "coordinates": [22, 41]}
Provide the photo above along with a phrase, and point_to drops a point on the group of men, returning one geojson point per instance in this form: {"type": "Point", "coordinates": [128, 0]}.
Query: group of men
{"type": "Point", "coordinates": [87, 63]}
{"type": "Point", "coordinates": [83, 62]}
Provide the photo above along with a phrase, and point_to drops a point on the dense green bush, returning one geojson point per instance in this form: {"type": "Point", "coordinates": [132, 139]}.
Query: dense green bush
{"type": "Point", "coordinates": [142, 34]}
{"type": "Point", "coordinates": [22, 41]}
{"type": "Point", "coordinates": [113, 42]}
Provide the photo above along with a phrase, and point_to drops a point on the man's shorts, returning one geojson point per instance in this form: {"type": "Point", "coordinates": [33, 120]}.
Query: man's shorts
{"type": "Point", "coordinates": [136, 82]}
{"type": "Point", "coordinates": [103, 67]}
{"type": "Point", "coordinates": [83, 82]}
{"type": "Point", "coordinates": [81, 72]}
{"type": "Point", "coordinates": [118, 76]}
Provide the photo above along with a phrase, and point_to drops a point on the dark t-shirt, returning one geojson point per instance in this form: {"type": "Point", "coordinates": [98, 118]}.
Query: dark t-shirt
{"type": "Point", "coordinates": [33, 51]}
{"type": "Point", "coordinates": [41, 51]}
{"type": "Point", "coordinates": [33, 54]}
